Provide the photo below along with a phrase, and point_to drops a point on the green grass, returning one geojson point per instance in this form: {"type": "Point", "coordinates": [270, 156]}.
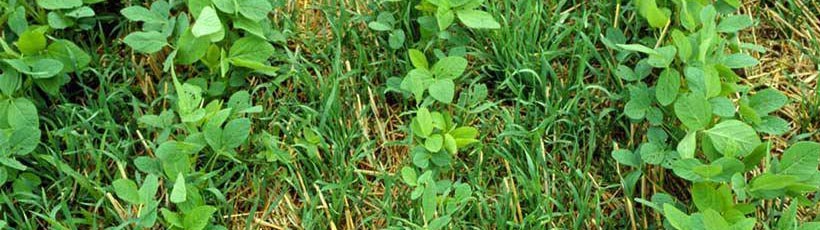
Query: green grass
{"type": "Point", "coordinates": [553, 115]}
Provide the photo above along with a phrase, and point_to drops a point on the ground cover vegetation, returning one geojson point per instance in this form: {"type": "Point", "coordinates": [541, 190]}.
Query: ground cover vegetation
{"type": "Point", "coordinates": [420, 114]}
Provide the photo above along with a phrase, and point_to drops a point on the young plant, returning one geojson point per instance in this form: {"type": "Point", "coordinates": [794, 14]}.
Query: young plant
{"type": "Point", "coordinates": [714, 147]}
{"type": "Point", "coordinates": [467, 12]}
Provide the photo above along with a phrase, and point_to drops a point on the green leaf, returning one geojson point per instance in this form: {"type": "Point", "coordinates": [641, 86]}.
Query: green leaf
{"type": "Point", "coordinates": [17, 20]}
{"type": "Point", "coordinates": [425, 121]}
{"type": "Point", "coordinates": [722, 107]}
{"type": "Point", "coordinates": [32, 41]}
{"type": "Point", "coordinates": [683, 44]}
{"type": "Point", "coordinates": [149, 188]}
{"type": "Point", "coordinates": [10, 80]}
{"type": "Point", "coordinates": [667, 87]}
{"type": "Point", "coordinates": [626, 157]}
{"type": "Point", "coordinates": [141, 14]}
{"type": "Point", "coordinates": [443, 90]}
{"type": "Point", "coordinates": [254, 9]}
{"type": "Point", "coordinates": [198, 218]}
{"type": "Point", "coordinates": [450, 144]}
{"type": "Point", "coordinates": [733, 138]}
{"type": "Point", "coordinates": [21, 113]}
{"type": "Point", "coordinates": [444, 17]}
{"type": "Point", "coordinates": [127, 190]}
{"type": "Point", "coordinates": [45, 68]}
{"type": "Point", "coordinates": [656, 17]}
{"type": "Point", "coordinates": [801, 159]}
{"type": "Point", "coordinates": [663, 57]}
{"type": "Point", "coordinates": [687, 146]}
{"type": "Point", "coordinates": [767, 101]}
{"type": "Point", "coordinates": [146, 42]}
{"type": "Point", "coordinates": [773, 125]}
{"type": "Point", "coordinates": [251, 48]}
{"type": "Point", "coordinates": [58, 21]}
{"type": "Point", "coordinates": [694, 111]}
{"type": "Point", "coordinates": [174, 157]}
{"type": "Point", "coordinates": [379, 26]}
{"type": "Point", "coordinates": [178, 193]}
{"type": "Point", "coordinates": [428, 201]}
{"type": "Point", "coordinates": [236, 132]}
{"type": "Point", "coordinates": [418, 59]}
{"type": "Point", "coordinates": [651, 153]}
{"type": "Point", "coordinates": [626, 73]}
{"type": "Point", "coordinates": [678, 219]}
{"type": "Point", "coordinates": [638, 48]}
{"type": "Point", "coordinates": [739, 60]}
{"type": "Point", "coordinates": [434, 143]}
{"type": "Point", "coordinates": [59, 4]}
{"type": "Point", "coordinates": [477, 19]}
{"type": "Point", "coordinates": [191, 48]}
{"type": "Point", "coordinates": [207, 23]}
{"type": "Point", "coordinates": [227, 6]}
{"type": "Point", "coordinates": [72, 56]}
{"type": "Point", "coordinates": [788, 220]}
{"type": "Point", "coordinates": [250, 26]}
{"type": "Point", "coordinates": [82, 12]}
{"type": "Point", "coordinates": [768, 181]}
{"type": "Point", "coordinates": [713, 220]}
{"type": "Point", "coordinates": [409, 176]}
{"type": "Point", "coordinates": [464, 135]}
{"type": "Point", "coordinates": [734, 23]}
{"type": "Point", "coordinates": [449, 67]}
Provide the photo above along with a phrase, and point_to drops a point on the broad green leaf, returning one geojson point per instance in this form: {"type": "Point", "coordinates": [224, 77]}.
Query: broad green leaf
{"type": "Point", "coordinates": [191, 48]}
{"type": "Point", "coordinates": [801, 159]}
{"type": "Point", "coordinates": [788, 220]}
{"type": "Point", "coordinates": [769, 181]}
{"type": "Point", "coordinates": [678, 219]}
{"type": "Point", "coordinates": [45, 68]}
{"type": "Point", "coordinates": [10, 81]}
{"type": "Point", "coordinates": [127, 190]}
{"type": "Point", "coordinates": [17, 20]}
{"type": "Point", "coordinates": [409, 176]}
{"type": "Point", "coordinates": [767, 101]}
{"type": "Point", "coordinates": [450, 144]}
{"type": "Point", "coordinates": [449, 67]}
{"type": "Point", "coordinates": [694, 111]}
{"type": "Point", "coordinates": [444, 17]}
{"type": "Point", "coordinates": [178, 193]}
{"type": "Point", "coordinates": [22, 113]}
{"type": "Point", "coordinates": [149, 188]}
{"type": "Point", "coordinates": [417, 81]}
{"type": "Point", "coordinates": [72, 56]}
{"type": "Point", "coordinates": [174, 157]}
{"type": "Point", "coordinates": [687, 146]}
{"type": "Point", "coordinates": [198, 218]}
{"type": "Point", "coordinates": [651, 153]}
{"type": "Point", "coordinates": [711, 79]}
{"type": "Point", "coordinates": [772, 125]}
{"type": "Point", "coordinates": [739, 60]}
{"type": "Point", "coordinates": [667, 87]}
{"type": "Point", "coordinates": [396, 39]}
{"type": "Point", "coordinates": [656, 17]}
{"type": "Point", "coordinates": [626, 157]}
{"type": "Point", "coordinates": [713, 221]}
{"type": "Point", "coordinates": [428, 201]}
{"type": "Point", "coordinates": [683, 44]}
{"type": "Point", "coordinates": [250, 26]}
{"type": "Point", "coordinates": [12, 163]}
{"type": "Point", "coordinates": [477, 19]}
{"type": "Point", "coordinates": [22, 141]}
{"type": "Point", "coordinates": [59, 4]}
{"type": "Point", "coordinates": [663, 57]}
{"type": "Point", "coordinates": [32, 41]}
{"type": "Point", "coordinates": [58, 21]}
{"type": "Point", "coordinates": [626, 73]}
{"type": "Point", "coordinates": [379, 26]}
{"type": "Point", "coordinates": [236, 132]}
{"type": "Point", "coordinates": [207, 23]}
{"type": "Point", "coordinates": [733, 138]}
{"type": "Point", "coordinates": [443, 90]}
{"type": "Point", "coordinates": [434, 143]}
{"type": "Point", "coordinates": [722, 106]}
{"type": "Point", "coordinates": [734, 23]}
{"type": "Point", "coordinates": [227, 6]}
{"type": "Point", "coordinates": [141, 14]}
{"type": "Point", "coordinates": [425, 121]}
{"type": "Point", "coordinates": [146, 42]}
{"type": "Point", "coordinates": [251, 48]}
{"type": "Point", "coordinates": [254, 9]}
{"type": "Point", "coordinates": [464, 135]}
{"type": "Point", "coordinates": [82, 12]}
{"type": "Point", "coordinates": [418, 59]}
{"type": "Point", "coordinates": [638, 48]}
